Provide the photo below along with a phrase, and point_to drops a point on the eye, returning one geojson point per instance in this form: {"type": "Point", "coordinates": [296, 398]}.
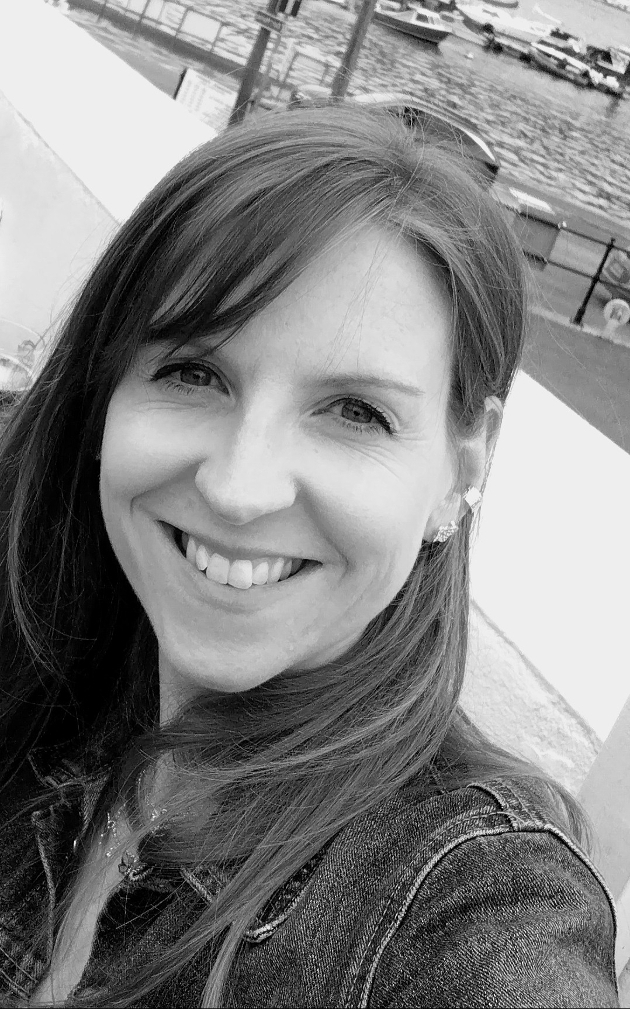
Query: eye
{"type": "Point", "coordinates": [187, 376]}
{"type": "Point", "coordinates": [361, 416]}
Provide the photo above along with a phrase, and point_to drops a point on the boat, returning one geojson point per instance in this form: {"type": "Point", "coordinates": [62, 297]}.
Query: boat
{"type": "Point", "coordinates": [561, 64]}
{"type": "Point", "coordinates": [425, 25]}
{"type": "Point", "coordinates": [610, 62]}
{"type": "Point", "coordinates": [490, 21]}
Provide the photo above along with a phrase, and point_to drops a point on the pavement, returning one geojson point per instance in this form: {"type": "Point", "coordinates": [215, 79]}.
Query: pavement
{"type": "Point", "coordinates": [591, 375]}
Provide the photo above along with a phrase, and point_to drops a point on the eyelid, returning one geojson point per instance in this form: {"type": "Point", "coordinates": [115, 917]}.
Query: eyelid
{"type": "Point", "coordinates": [383, 419]}
{"type": "Point", "coordinates": [188, 362]}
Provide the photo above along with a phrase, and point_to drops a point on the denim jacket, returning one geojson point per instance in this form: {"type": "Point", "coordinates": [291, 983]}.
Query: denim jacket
{"type": "Point", "coordinates": [470, 897]}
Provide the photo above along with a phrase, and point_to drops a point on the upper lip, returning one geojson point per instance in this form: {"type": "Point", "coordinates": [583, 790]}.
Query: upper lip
{"type": "Point", "coordinates": [240, 552]}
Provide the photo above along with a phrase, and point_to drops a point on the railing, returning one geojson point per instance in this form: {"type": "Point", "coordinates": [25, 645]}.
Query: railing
{"type": "Point", "coordinates": [188, 26]}
{"type": "Point", "coordinates": [175, 21]}
{"type": "Point", "coordinates": [575, 263]}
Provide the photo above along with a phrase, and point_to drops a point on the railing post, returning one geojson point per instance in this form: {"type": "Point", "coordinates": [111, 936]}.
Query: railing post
{"type": "Point", "coordinates": [579, 315]}
{"type": "Point", "coordinates": [141, 17]}
{"type": "Point", "coordinates": [216, 37]}
{"type": "Point", "coordinates": [181, 21]}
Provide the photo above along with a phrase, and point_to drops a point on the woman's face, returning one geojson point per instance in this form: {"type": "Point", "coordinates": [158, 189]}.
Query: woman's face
{"type": "Point", "coordinates": [267, 500]}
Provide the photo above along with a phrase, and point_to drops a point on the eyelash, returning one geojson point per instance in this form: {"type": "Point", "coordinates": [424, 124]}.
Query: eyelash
{"type": "Point", "coordinates": [165, 374]}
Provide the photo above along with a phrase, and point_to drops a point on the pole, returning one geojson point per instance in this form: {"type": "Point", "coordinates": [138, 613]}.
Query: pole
{"type": "Point", "coordinates": [579, 315]}
{"type": "Point", "coordinates": [341, 79]}
{"type": "Point", "coordinates": [267, 74]}
{"type": "Point", "coordinates": [252, 69]}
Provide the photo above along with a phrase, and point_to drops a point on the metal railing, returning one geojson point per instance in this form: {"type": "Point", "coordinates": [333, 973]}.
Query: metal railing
{"type": "Point", "coordinates": [549, 244]}
{"type": "Point", "coordinates": [175, 21]}
{"type": "Point", "coordinates": [210, 36]}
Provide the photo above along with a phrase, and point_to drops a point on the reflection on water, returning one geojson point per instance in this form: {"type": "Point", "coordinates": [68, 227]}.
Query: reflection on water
{"type": "Point", "coordinates": [546, 131]}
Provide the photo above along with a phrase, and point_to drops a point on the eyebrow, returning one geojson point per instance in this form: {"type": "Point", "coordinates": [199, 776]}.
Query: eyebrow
{"type": "Point", "coordinates": [375, 381]}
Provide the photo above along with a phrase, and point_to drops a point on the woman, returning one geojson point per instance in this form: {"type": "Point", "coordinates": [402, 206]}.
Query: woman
{"type": "Point", "coordinates": [237, 509]}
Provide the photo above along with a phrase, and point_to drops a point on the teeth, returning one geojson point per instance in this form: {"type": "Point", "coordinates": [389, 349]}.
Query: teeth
{"type": "Point", "coordinates": [260, 573]}
{"type": "Point", "coordinates": [240, 574]}
{"type": "Point", "coordinates": [191, 550]}
{"type": "Point", "coordinates": [202, 558]}
{"type": "Point", "coordinates": [218, 569]}
{"type": "Point", "coordinates": [275, 570]}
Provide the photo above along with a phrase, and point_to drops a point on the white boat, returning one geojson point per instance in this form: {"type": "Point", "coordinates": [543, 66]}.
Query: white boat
{"type": "Point", "coordinates": [486, 20]}
{"type": "Point", "coordinates": [610, 62]}
{"type": "Point", "coordinates": [427, 26]}
{"type": "Point", "coordinates": [561, 64]}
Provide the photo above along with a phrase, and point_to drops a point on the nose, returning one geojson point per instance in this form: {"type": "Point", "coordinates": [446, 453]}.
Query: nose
{"type": "Point", "coordinates": [247, 471]}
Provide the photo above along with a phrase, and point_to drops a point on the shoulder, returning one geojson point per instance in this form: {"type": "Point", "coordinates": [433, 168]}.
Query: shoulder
{"type": "Point", "coordinates": [464, 897]}
{"type": "Point", "coordinates": [489, 902]}
{"type": "Point", "coordinates": [421, 826]}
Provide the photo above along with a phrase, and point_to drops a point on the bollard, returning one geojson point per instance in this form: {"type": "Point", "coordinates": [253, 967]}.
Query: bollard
{"type": "Point", "coordinates": [616, 314]}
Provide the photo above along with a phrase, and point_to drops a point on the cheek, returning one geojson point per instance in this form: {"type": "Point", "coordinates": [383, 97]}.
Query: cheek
{"type": "Point", "coordinates": [141, 448]}
{"type": "Point", "coordinates": [378, 518]}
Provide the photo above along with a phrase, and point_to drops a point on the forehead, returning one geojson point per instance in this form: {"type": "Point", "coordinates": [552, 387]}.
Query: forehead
{"type": "Point", "coordinates": [366, 303]}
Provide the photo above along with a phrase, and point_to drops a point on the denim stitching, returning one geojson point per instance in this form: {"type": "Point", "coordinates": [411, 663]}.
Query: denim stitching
{"type": "Point", "coordinates": [411, 893]}
{"type": "Point", "coordinates": [511, 803]}
{"type": "Point", "coordinates": [547, 829]}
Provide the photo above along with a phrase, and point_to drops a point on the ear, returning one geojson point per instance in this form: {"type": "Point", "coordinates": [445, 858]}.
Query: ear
{"type": "Point", "coordinates": [473, 457]}
{"type": "Point", "coordinates": [476, 452]}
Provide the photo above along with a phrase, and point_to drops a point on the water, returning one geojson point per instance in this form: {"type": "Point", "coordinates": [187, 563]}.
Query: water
{"type": "Point", "coordinates": [546, 131]}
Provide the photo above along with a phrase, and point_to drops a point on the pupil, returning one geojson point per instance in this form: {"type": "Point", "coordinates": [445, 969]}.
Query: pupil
{"type": "Point", "coordinates": [194, 376]}
{"type": "Point", "coordinates": [357, 413]}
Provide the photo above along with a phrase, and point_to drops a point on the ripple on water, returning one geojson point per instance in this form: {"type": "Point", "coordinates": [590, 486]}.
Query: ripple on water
{"type": "Point", "coordinates": [547, 131]}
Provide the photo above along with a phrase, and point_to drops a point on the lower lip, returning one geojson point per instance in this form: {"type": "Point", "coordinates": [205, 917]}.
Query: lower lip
{"type": "Point", "coordinates": [257, 594]}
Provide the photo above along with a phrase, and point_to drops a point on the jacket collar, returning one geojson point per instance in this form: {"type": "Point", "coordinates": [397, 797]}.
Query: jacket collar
{"type": "Point", "coordinates": [61, 768]}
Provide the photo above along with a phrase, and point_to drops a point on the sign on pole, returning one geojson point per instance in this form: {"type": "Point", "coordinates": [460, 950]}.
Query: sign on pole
{"type": "Point", "coordinates": [271, 22]}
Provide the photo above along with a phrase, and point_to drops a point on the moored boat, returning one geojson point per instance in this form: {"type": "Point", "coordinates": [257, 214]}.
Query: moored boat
{"type": "Point", "coordinates": [425, 25]}
{"type": "Point", "coordinates": [487, 20]}
{"type": "Point", "coordinates": [609, 61]}
{"type": "Point", "coordinates": [561, 64]}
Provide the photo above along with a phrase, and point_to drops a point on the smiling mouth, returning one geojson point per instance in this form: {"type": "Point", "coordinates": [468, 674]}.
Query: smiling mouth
{"type": "Point", "coordinates": [239, 574]}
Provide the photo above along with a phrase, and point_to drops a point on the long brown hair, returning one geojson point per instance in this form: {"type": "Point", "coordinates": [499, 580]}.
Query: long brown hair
{"type": "Point", "coordinates": [266, 777]}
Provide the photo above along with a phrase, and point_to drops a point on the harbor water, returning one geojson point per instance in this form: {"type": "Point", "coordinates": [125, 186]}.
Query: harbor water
{"type": "Point", "coordinates": [547, 132]}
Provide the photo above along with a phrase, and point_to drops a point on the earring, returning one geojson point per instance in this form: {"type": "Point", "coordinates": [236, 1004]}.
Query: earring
{"type": "Point", "coordinates": [473, 498]}
{"type": "Point", "coordinates": [444, 533]}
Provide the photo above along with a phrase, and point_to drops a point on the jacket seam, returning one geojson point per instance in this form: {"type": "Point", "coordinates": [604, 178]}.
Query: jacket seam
{"type": "Point", "coordinates": [544, 825]}
{"type": "Point", "coordinates": [402, 910]}
{"type": "Point", "coordinates": [511, 802]}
{"type": "Point", "coordinates": [430, 866]}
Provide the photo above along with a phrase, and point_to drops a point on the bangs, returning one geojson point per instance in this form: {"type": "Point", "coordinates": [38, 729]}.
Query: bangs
{"type": "Point", "coordinates": [223, 264]}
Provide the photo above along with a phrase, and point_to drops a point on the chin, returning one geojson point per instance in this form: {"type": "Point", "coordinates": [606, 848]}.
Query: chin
{"type": "Point", "coordinates": [213, 671]}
